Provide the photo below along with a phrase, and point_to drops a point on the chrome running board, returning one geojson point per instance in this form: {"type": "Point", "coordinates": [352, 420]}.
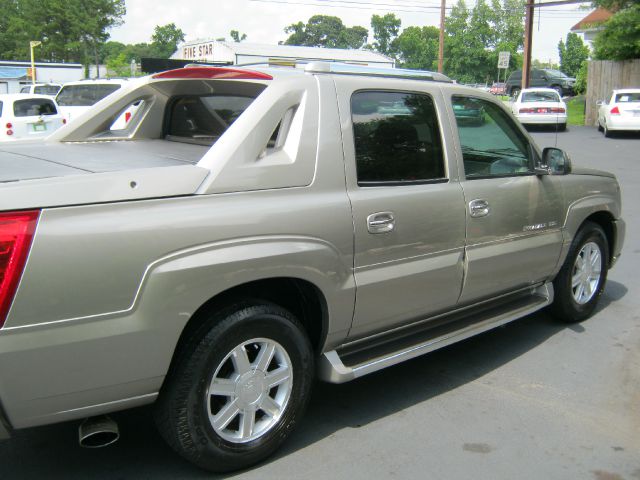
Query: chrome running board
{"type": "Point", "coordinates": [339, 366]}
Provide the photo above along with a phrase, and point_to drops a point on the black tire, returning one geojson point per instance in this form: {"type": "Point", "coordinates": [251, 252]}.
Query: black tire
{"type": "Point", "coordinates": [558, 89]}
{"type": "Point", "coordinates": [565, 307]}
{"type": "Point", "coordinates": [185, 402]}
{"type": "Point", "coordinates": [600, 129]}
{"type": "Point", "coordinates": [607, 132]}
{"type": "Point", "coordinates": [562, 127]}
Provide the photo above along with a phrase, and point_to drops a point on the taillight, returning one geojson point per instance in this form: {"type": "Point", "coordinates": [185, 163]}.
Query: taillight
{"type": "Point", "coordinates": [16, 234]}
{"type": "Point", "coordinates": [527, 110]}
{"type": "Point", "coordinates": [64, 121]}
{"type": "Point", "coordinates": [615, 111]}
{"type": "Point", "coordinates": [557, 110]}
{"type": "Point", "coordinates": [9, 125]}
{"type": "Point", "coordinates": [9, 132]}
{"type": "Point", "coordinates": [127, 117]}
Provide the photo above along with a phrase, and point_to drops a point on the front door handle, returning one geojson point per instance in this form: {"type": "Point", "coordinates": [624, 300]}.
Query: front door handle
{"type": "Point", "coordinates": [381, 222]}
{"type": "Point", "coordinates": [479, 208]}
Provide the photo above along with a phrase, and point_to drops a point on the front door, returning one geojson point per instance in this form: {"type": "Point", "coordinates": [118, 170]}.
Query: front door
{"type": "Point", "coordinates": [408, 211]}
{"type": "Point", "coordinates": [513, 215]}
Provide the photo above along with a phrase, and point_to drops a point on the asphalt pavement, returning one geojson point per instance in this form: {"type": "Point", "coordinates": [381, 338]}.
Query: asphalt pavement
{"type": "Point", "coordinates": [535, 399]}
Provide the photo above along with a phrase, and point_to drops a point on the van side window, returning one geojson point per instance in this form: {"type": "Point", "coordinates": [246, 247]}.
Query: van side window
{"type": "Point", "coordinates": [397, 138]}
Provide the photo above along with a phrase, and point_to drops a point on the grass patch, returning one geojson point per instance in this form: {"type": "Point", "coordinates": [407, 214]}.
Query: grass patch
{"type": "Point", "coordinates": [575, 110]}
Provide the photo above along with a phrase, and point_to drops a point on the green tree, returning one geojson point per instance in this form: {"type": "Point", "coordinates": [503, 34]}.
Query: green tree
{"type": "Point", "coordinates": [237, 36]}
{"type": "Point", "coordinates": [325, 31]}
{"type": "Point", "coordinates": [474, 37]}
{"type": "Point", "coordinates": [417, 47]}
{"type": "Point", "coordinates": [385, 30]}
{"type": "Point", "coordinates": [581, 78]}
{"type": "Point", "coordinates": [572, 54]}
{"type": "Point", "coordinates": [620, 38]}
{"type": "Point", "coordinates": [165, 40]}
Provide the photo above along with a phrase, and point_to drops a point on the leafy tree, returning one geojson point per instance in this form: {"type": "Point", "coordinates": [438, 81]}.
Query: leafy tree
{"type": "Point", "coordinates": [417, 47]}
{"type": "Point", "coordinates": [581, 78]}
{"type": "Point", "coordinates": [385, 30]}
{"type": "Point", "coordinates": [325, 31]}
{"type": "Point", "coordinates": [237, 36]}
{"type": "Point", "coordinates": [474, 37]}
{"type": "Point", "coordinates": [165, 40]}
{"type": "Point", "coordinates": [620, 38]}
{"type": "Point", "coordinates": [572, 54]}
{"type": "Point", "coordinates": [614, 5]}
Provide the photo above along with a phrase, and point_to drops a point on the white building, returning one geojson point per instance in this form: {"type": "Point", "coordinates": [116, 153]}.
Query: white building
{"type": "Point", "coordinates": [13, 75]}
{"type": "Point", "coordinates": [591, 25]}
{"type": "Point", "coordinates": [233, 53]}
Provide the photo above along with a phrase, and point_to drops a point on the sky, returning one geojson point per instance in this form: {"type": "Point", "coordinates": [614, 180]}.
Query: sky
{"type": "Point", "coordinates": [263, 21]}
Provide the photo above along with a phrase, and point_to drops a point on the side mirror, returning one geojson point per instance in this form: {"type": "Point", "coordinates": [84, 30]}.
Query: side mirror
{"type": "Point", "coordinates": [555, 161]}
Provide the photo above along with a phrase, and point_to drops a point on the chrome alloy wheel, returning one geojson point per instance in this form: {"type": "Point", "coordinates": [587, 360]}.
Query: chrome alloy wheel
{"type": "Point", "coordinates": [249, 390]}
{"type": "Point", "coordinates": [586, 273]}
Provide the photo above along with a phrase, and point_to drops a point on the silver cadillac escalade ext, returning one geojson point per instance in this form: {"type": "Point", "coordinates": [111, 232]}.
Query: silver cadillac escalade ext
{"type": "Point", "coordinates": [250, 230]}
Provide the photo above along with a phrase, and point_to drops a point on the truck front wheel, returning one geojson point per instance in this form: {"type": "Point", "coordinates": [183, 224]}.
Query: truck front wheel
{"type": "Point", "coordinates": [239, 387]}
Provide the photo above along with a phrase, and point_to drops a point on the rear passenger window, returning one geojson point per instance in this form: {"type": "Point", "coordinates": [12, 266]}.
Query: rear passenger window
{"type": "Point", "coordinates": [33, 107]}
{"type": "Point", "coordinates": [396, 138]}
{"type": "Point", "coordinates": [203, 119]}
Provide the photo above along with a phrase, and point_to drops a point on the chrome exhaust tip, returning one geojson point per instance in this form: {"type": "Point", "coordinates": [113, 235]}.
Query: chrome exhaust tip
{"type": "Point", "coordinates": [96, 432]}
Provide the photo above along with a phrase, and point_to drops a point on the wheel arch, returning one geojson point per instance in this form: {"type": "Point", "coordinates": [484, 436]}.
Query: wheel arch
{"type": "Point", "coordinates": [301, 297]}
{"type": "Point", "coordinates": [605, 220]}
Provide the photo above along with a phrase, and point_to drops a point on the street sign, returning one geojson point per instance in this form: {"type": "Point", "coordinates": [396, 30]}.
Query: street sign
{"type": "Point", "coordinates": [503, 59]}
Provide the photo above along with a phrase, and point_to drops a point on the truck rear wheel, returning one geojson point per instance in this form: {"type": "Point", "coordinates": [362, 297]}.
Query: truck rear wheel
{"type": "Point", "coordinates": [238, 388]}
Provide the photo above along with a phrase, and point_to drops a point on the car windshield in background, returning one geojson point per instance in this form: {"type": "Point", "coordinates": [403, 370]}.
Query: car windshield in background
{"type": "Point", "coordinates": [203, 119]}
{"type": "Point", "coordinates": [556, 73]}
{"type": "Point", "coordinates": [46, 89]}
{"type": "Point", "coordinates": [84, 95]}
{"type": "Point", "coordinates": [628, 97]}
{"type": "Point", "coordinates": [33, 107]}
{"type": "Point", "coordinates": [540, 97]}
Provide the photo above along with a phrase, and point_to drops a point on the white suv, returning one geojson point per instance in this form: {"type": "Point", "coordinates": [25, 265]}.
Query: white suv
{"type": "Point", "coordinates": [28, 116]}
{"type": "Point", "coordinates": [49, 89]}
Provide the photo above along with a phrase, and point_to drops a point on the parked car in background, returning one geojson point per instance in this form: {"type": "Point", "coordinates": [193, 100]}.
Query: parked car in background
{"type": "Point", "coordinates": [540, 106]}
{"type": "Point", "coordinates": [548, 78]}
{"type": "Point", "coordinates": [50, 89]}
{"type": "Point", "coordinates": [498, 88]}
{"type": "Point", "coordinates": [75, 98]}
{"type": "Point", "coordinates": [28, 116]}
{"type": "Point", "coordinates": [621, 112]}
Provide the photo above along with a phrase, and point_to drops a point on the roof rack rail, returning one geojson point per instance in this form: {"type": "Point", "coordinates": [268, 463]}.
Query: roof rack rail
{"type": "Point", "coordinates": [347, 69]}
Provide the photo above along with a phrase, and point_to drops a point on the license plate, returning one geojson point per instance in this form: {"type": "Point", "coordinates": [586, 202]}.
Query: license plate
{"type": "Point", "coordinates": [39, 127]}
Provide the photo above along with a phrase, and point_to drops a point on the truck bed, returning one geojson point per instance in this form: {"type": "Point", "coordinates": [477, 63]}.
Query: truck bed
{"type": "Point", "coordinates": [31, 161]}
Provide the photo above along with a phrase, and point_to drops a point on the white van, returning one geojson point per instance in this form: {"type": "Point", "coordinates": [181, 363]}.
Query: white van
{"type": "Point", "coordinates": [49, 89]}
{"type": "Point", "coordinates": [75, 98]}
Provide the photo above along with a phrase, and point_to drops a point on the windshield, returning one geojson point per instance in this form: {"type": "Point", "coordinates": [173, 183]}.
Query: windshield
{"type": "Point", "coordinates": [556, 73]}
{"type": "Point", "coordinates": [540, 97]}
{"type": "Point", "coordinates": [84, 95]}
{"type": "Point", "coordinates": [628, 97]}
{"type": "Point", "coordinates": [46, 89]}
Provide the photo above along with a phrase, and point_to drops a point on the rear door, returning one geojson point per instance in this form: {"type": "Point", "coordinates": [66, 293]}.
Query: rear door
{"type": "Point", "coordinates": [407, 205]}
{"type": "Point", "coordinates": [514, 216]}
{"type": "Point", "coordinates": [35, 117]}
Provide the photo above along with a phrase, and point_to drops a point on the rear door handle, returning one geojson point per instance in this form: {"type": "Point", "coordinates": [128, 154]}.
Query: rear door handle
{"type": "Point", "coordinates": [479, 208]}
{"type": "Point", "coordinates": [381, 222]}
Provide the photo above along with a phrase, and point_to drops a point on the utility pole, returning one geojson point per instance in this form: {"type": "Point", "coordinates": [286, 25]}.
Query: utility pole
{"type": "Point", "coordinates": [443, 5]}
{"type": "Point", "coordinates": [528, 31]}
{"type": "Point", "coordinates": [32, 45]}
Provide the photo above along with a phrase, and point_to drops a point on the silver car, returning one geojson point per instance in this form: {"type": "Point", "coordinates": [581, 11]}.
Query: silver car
{"type": "Point", "coordinates": [250, 230]}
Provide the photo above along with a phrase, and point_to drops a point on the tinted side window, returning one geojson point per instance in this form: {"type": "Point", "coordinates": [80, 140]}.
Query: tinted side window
{"type": "Point", "coordinates": [84, 95]}
{"type": "Point", "coordinates": [397, 138]}
{"type": "Point", "coordinates": [46, 89]}
{"type": "Point", "coordinates": [492, 145]}
{"type": "Point", "coordinates": [33, 107]}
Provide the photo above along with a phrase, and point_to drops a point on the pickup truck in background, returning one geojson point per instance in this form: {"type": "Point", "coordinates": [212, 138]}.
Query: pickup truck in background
{"type": "Point", "coordinates": [248, 231]}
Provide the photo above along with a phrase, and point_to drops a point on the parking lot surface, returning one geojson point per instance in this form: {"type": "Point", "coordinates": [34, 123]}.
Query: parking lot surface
{"type": "Point", "coordinates": [535, 399]}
